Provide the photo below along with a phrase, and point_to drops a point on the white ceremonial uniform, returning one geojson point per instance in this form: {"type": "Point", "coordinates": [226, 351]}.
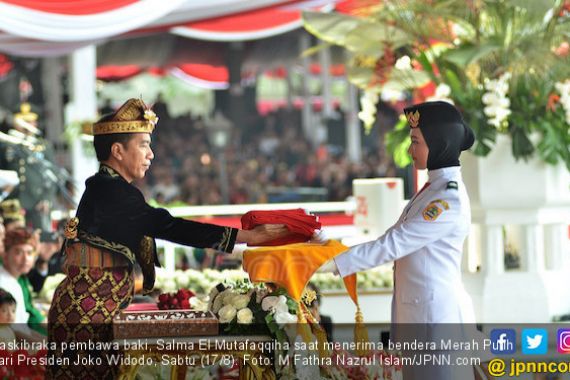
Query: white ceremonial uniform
{"type": "Point", "coordinates": [426, 245]}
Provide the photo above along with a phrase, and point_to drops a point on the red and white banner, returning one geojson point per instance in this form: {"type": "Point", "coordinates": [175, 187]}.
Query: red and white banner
{"type": "Point", "coordinates": [72, 21]}
{"type": "Point", "coordinates": [253, 24]}
{"type": "Point", "coordinates": [57, 27]}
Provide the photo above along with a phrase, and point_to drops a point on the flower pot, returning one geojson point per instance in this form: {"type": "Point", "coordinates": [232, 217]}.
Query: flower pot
{"type": "Point", "coordinates": [498, 181]}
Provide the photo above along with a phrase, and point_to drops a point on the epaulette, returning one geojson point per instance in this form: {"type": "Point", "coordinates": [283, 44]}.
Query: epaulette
{"type": "Point", "coordinates": [452, 185]}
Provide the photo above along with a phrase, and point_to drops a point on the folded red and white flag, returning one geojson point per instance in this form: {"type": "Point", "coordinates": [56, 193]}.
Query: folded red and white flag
{"type": "Point", "coordinates": [301, 225]}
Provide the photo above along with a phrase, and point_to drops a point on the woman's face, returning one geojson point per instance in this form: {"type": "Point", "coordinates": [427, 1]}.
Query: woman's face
{"type": "Point", "coordinates": [418, 149]}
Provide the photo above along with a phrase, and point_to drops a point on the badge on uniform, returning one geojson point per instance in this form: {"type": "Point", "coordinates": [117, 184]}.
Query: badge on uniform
{"type": "Point", "coordinates": [452, 185]}
{"type": "Point", "coordinates": [433, 211]}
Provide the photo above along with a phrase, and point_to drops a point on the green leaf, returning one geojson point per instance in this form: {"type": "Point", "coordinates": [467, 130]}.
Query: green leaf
{"type": "Point", "coordinates": [371, 38]}
{"type": "Point", "coordinates": [522, 146]}
{"type": "Point", "coordinates": [330, 27]}
{"type": "Point", "coordinates": [400, 80]}
{"type": "Point", "coordinates": [485, 135]}
{"type": "Point", "coordinates": [280, 336]}
{"type": "Point", "coordinates": [360, 76]}
{"type": "Point", "coordinates": [426, 65]}
{"type": "Point", "coordinates": [397, 143]}
{"type": "Point", "coordinates": [548, 146]}
{"type": "Point", "coordinates": [537, 7]}
{"type": "Point", "coordinates": [466, 54]}
{"type": "Point", "coordinates": [457, 87]}
{"type": "Point", "coordinates": [315, 49]}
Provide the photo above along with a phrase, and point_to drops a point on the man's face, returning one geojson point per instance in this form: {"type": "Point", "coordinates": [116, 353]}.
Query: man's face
{"type": "Point", "coordinates": [418, 149]}
{"type": "Point", "coordinates": [135, 157]}
{"type": "Point", "coordinates": [19, 259]}
{"type": "Point", "coordinates": [7, 313]}
{"type": "Point", "coordinates": [14, 224]}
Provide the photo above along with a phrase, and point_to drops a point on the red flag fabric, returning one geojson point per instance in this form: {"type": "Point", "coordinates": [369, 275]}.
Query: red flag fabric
{"type": "Point", "coordinates": [301, 225]}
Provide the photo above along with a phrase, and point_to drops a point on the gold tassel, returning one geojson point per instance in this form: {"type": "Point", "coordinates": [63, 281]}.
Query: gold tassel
{"type": "Point", "coordinates": [318, 331]}
{"type": "Point", "coordinates": [302, 326]}
{"type": "Point", "coordinates": [360, 333]}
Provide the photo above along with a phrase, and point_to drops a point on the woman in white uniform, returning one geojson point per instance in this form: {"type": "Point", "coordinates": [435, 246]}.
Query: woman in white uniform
{"type": "Point", "coordinates": [426, 243]}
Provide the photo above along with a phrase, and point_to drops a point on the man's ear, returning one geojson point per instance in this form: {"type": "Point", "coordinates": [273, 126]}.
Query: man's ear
{"type": "Point", "coordinates": [117, 150]}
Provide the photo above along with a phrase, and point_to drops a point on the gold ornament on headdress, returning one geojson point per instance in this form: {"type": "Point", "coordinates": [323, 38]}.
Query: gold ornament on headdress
{"type": "Point", "coordinates": [26, 113]}
{"type": "Point", "coordinates": [11, 210]}
{"type": "Point", "coordinates": [413, 118]}
{"type": "Point", "coordinates": [150, 116]}
{"type": "Point", "coordinates": [133, 117]}
{"type": "Point", "coordinates": [70, 231]}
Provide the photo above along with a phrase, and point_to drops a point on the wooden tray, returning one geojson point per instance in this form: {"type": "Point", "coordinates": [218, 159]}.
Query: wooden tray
{"type": "Point", "coordinates": [164, 323]}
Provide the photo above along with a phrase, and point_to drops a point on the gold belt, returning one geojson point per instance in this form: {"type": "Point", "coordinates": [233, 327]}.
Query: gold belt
{"type": "Point", "coordinates": [84, 255]}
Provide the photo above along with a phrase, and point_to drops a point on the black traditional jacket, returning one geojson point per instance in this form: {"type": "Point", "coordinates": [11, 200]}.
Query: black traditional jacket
{"type": "Point", "coordinates": [114, 215]}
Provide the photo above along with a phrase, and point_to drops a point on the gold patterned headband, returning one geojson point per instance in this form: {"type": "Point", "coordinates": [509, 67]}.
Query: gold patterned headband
{"type": "Point", "coordinates": [127, 119]}
{"type": "Point", "coordinates": [109, 127]}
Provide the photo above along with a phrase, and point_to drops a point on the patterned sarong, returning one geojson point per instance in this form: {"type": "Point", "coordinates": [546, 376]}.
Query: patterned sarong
{"type": "Point", "coordinates": [82, 310]}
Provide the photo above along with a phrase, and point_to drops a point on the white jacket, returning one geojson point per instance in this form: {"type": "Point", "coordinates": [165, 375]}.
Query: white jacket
{"type": "Point", "coordinates": [426, 245]}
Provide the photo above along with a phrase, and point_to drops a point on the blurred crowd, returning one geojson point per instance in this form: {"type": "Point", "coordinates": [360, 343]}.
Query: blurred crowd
{"type": "Point", "coordinates": [267, 160]}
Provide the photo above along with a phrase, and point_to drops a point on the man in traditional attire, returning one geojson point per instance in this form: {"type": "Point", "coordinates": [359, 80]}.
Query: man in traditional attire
{"type": "Point", "coordinates": [115, 228]}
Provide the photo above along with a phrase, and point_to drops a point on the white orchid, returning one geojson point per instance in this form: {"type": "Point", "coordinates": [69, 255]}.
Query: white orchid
{"type": "Point", "coordinates": [274, 303]}
{"type": "Point", "coordinates": [496, 101]}
{"type": "Point", "coordinates": [285, 318]}
{"type": "Point", "coordinates": [404, 63]}
{"type": "Point", "coordinates": [442, 92]}
{"type": "Point", "coordinates": [368, 108]}
{"type": "Point", "coordinates": [278, 307]}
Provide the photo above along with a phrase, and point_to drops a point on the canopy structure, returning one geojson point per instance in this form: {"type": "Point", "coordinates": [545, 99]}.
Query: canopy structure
{"type": "Point", "coordinates": [212, 43]}
{"type": "Point", "coordinates": [57, 27]}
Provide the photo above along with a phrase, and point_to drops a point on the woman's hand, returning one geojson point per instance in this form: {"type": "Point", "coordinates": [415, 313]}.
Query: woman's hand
{"type": "Point", "coordinates": [262, 233]}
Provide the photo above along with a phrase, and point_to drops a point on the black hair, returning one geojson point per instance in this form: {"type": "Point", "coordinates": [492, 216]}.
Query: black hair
{"type": "Point", "coordinates": [6, 298]}
{"type": "Point", "coordinates": [103, 143]}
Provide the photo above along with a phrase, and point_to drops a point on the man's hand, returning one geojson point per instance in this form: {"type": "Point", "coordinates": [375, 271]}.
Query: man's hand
{"type": "Point", "coordinates": [262, 233]}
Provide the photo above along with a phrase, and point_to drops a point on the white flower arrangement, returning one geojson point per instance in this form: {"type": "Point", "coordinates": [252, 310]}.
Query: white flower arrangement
{"type": "Point", "coordinates": [496, 101]}
{"type": "Point", "coordinates": [368, 108]}
{"type": "Point", "coordinates": [202, 282]}
{"type": "Point", "coordinates": [277, 306]}
{"type": "Point", "coordinates": [241, 304]}
{"type": "Point", "coordinates": [443, 93]}
{"type": "Point", "coordinates": [403, 63]}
